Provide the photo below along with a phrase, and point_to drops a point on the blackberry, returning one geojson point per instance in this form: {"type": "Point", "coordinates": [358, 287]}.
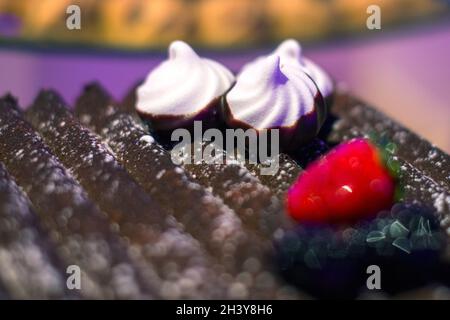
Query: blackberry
{"type": "Point", "coordinates": [323, 261]}
{"type": "Point", "coordinates": [331, 262]}
{"type": "Point", "coordinates": [406, 245]}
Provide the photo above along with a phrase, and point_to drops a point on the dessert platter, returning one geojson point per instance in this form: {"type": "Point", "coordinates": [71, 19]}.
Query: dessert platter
{"type": "Point", "coordinates": [97, 185]}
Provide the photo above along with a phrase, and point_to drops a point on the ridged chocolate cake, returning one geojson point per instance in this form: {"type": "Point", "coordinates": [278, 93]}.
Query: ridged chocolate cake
{"type": "Point", "coordinates": [94, 186]}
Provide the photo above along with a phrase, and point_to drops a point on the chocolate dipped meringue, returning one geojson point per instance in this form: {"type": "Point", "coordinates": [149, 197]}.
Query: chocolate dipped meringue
{"type": "Point", "coordinates": [270, 94]}
{"type": "Point", "coordinates": [183, 89]}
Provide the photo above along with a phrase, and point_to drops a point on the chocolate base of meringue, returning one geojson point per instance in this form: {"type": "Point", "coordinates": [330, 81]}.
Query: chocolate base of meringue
{"type": "Point", "coordinates": [303, 131]}
{"type": "Point", "coordinates": [162, 125]}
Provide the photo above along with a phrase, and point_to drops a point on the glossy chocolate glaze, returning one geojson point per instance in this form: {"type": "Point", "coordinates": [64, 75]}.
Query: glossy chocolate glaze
{"type": "Point", "coordinates": [163, 125]}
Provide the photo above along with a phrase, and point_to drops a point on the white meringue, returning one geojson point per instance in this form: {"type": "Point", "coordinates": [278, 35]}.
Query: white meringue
{"type": "Point", "coordinates": [270, 94]}
{"type": "Point", "coordinates": [183, 84]}
{"type": "Point", "coordinates": [290, 51]}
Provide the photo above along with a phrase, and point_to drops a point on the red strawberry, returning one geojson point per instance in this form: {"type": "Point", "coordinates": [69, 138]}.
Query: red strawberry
{"type": "Point", "coordinates": [347, 184]}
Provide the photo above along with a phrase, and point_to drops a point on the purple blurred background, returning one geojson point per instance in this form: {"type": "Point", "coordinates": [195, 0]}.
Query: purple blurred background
{"type": "Point", "coordinates": [404, 74]}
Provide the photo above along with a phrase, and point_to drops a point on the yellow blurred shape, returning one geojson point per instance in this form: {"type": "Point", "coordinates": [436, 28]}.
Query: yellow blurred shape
{"type": "Point", "coordinates": [40, 15]}
{"type": "Point", "coordinates": [302, 19]}
{"type": "Point", "coordinates": [138, 22]}
{"type": "Point", "coordinates": [229, 22]}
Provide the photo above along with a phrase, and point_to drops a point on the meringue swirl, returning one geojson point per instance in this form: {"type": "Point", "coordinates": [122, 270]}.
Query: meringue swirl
{"type": "Point", "coordinates": [183, 84]}
{"type": "Point", "coordinates": [290, 52]}
{"type": "Point", "coordinates": [270, 94]}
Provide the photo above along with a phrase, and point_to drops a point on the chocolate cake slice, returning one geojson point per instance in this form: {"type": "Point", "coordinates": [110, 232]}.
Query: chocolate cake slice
{"type": "Point", "coordinates": [105, 194]}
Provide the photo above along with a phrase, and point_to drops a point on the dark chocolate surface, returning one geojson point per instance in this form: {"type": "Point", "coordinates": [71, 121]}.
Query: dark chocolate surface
{"type": "Point", "coordinates": [29, 269]}
{"type": "Point", "coordinates": [142, 223]}
{"type": "Point", "coordinates": [75, 224]}
{"type": "Point", "coordinates": [225, 233]}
